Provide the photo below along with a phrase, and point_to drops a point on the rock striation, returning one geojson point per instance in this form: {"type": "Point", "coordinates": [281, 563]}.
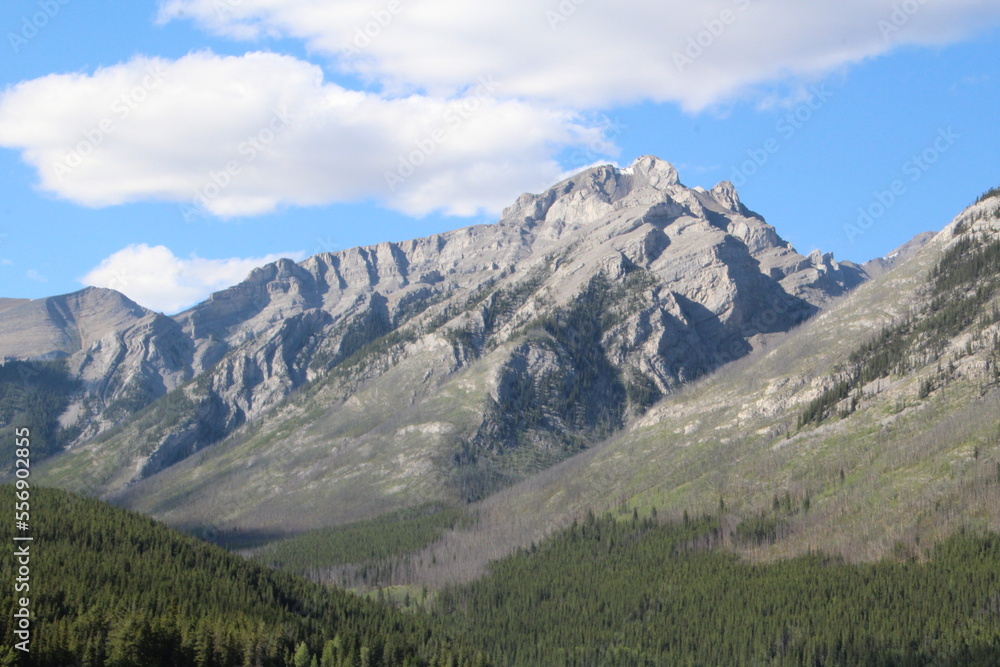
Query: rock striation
{"type": "Point", "coordinates": [584, 303]}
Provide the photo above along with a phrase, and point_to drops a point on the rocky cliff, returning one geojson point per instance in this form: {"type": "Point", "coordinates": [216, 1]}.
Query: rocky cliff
{"type": "Point", "coordinates": [527, 339]}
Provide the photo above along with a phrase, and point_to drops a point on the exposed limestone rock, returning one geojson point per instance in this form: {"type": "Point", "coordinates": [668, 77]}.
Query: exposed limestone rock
{"type": "Point", "coordinates": [691, 279]}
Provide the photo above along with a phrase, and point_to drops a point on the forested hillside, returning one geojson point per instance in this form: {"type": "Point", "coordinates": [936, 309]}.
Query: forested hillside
{"type": "Point", "coordinates": [366, 553]}
{"type": "Point", "coordinates": [634, 592]}
{"type": "Point", "coordinates": [111, 587]}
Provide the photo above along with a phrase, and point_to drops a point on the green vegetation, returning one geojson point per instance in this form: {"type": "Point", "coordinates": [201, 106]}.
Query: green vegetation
{"type": "Point", "coordinates": [133, 399]}
{"type": "Point", "coordinates": [35, 394]}
{"type": "Point", "coordinates": [111, 587]}
{"type": "Point", "coordinates": [497, 307]}
{"type": "Point", "coordinates": [633, 592]}
{"type": "Point", "coordinates": [370, 325]}
{"type": "Point", "coordinates": [769, 527]}
{"type": "Point", "coordinates": [373, 333]}
{"type": "Point", "coordinates": [992, 192]}
{"type": "Point", "coordinates": [377, 545]}
{"type": "Point", "coordinates": [962, 285]}
{"type": "Point", "coordinates": [538, 421]}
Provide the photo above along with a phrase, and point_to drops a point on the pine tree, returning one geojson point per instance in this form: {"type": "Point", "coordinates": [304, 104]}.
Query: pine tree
{"type": "Point", "coordinates": [302, 655]}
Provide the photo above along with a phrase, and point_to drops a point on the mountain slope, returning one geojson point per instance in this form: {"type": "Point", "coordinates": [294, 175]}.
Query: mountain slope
{"type": "Point", "coordinates": [871, 428]}
{"type": "Point", "coordinates": [447, 367]}
{"type": "Point", "coordinates": [123, 355]}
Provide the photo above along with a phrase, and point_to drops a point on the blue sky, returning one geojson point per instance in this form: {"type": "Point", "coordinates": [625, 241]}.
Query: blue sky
{"type": "Point", "coordinates": [167, 152]}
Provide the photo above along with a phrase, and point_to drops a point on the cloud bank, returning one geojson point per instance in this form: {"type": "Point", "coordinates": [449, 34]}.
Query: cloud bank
{"type": "Point", "coordinates": [584, 53]}
{"type": "Point", "coordinates": [467, 104]}
{"type": "Point", "coordinates": [234, 136]}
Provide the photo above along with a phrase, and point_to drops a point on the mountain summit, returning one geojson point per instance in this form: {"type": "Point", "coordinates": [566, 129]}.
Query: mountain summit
{"type": "Point", "coordinates": [433, 369]}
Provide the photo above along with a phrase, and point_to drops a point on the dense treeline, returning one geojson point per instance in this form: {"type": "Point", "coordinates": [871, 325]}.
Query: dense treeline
{"type": "Point", "coordinates": [35, 393]}
{"type": "Point", "coordinates": [962, 284]}
{"type": "Point", "coordinates": [612, 592]}
{"type": "Point", "coordinates": [111, 587]}
{"type": "Point", "coordinates": [376, 546]}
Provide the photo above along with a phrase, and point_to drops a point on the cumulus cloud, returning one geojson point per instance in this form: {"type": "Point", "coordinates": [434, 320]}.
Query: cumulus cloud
{"type": "Point", "coordinates": [467, 104]}
{"type": "Point", "coordinates": [235, 136]}
{"type": "Point", "coordinates": [581, 53]}
{"type": "Point", "coordinates": [154, 277]}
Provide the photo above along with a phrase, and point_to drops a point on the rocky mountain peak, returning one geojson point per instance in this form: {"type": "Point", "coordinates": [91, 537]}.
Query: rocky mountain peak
{"type": "Point", "coordinates": [594, 192]}
{"type": "Point", "coordinates": [725, 193]}
{"type": "Point", "coordinates": [650, 171]}
{"type": "Point", "coordinates": [640, 284]}
{"type": "Point", "coordinates": [60, 325]}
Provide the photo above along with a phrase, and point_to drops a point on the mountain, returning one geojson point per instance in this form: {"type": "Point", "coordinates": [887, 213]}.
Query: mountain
{"type": "Point", "coordinates": [437, 369]}
{"type": "Point", "coordinates": [10, 303]}
{"type": "Point", "coordinates": [625, 424]}
{"type": "Point", "coordinates": [879, 265]}
{"type": "Point", "coordinates": [870, 431]}
{"type": "Point", "coordinates": [124, 355]}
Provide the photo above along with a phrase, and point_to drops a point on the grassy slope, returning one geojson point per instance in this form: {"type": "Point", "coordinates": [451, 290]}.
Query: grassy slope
{"type": "Point", "coordinates": [322, 461]}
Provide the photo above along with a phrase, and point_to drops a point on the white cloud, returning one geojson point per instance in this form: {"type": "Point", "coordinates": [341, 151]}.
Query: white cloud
{"type": "Point", "coordinates": [243, 135]}
{"type": "Point", "coordinates": [584, 53]}
{"type": "Point", "coordinates": [32, 274]}
{"type": "Point", "coordinates": [154, 277]}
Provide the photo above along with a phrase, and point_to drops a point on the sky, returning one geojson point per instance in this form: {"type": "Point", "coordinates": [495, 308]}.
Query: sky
{"type": "Point", "coordinates": [164, 149]}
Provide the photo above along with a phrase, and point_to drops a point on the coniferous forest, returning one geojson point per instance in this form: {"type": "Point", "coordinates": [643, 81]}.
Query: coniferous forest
{"type": "Point", "coordinates": [635, 592]}
{"type": "Point", "coordinates": [111, 587]}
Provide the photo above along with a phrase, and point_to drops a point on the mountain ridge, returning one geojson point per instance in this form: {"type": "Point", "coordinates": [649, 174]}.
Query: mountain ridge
{"type": "Point", "coordinates": [620, 281]}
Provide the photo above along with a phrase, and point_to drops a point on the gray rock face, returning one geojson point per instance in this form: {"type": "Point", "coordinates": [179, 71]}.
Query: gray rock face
{"type": "Point", "coordinates": [125, 355]}
{"type": "Point", "coordinates": [10, 303]}
{"type": "Point", "coordinates": [61, 325]}
{"type": "Point", "coordinates": [623, 282]}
